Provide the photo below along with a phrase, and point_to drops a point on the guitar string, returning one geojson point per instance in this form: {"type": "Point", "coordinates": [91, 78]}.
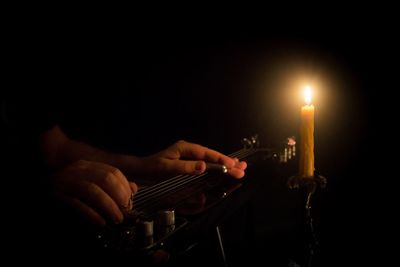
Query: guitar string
{"type": "Point", "coordinates": [176, 183]}
{"type": "Point", "coordinates": [172, 184]}
{"type": "Point", "coordinates": [171, 181]}
{"type": "Point", "coordinates": [174, 187]}
{"type": "Point", "coordinates": [156, 204]}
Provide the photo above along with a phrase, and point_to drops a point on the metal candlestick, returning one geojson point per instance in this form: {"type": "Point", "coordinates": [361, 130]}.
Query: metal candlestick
{"type": "Point", "coordinates": [310, 184]}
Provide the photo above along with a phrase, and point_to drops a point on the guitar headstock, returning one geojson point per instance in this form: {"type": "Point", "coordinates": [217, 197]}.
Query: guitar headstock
{"type": "Point", "coordinates": [251, 142]}
{"type": "Point", "coordinates": [287, 150]}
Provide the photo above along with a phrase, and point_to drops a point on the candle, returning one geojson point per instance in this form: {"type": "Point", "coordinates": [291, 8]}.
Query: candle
{"type": "Point", "coordinates": [306, 160]}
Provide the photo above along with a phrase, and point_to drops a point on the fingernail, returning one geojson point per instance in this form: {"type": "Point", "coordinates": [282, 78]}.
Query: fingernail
{"type": "Point", "coordinates": [230, 163]}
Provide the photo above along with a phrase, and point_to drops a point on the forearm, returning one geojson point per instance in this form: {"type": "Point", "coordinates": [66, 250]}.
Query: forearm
{"type": "Point", "coordinates": [73, 150]}
{"type": "Point", "coordinates": [59, 150]}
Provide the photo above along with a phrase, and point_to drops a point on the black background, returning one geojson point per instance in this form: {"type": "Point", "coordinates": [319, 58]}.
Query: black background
{"type": "Point", "coordinates": [140, 87]}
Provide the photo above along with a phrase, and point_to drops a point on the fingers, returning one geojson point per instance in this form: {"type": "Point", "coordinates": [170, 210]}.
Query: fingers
{"type": "Point", "coordinates": [103, 190]}
{"type": "Point", "coordinates": [183, 166]}
{"type": "Point", "coordinates": [236, 173]}
{"type": "Point", "coordinates": [93, 196]}
{"type": "Point", "coordinates": [183, 149]}
{"type": "Point", "coordinates": [240, 164]}
{"type": "Point", "coordinates": [111, 180]}
{"type": "Point", "coordinates": [195, 151]}
{"type": "Point", "coordinates": [198, 167]}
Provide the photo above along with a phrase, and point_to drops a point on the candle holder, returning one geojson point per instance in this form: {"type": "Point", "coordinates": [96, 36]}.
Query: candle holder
{"type": "Point", "coordinates": [310, 184]}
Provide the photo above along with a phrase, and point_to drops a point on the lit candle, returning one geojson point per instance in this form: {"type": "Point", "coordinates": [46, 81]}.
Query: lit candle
{"type": "Point", "coordinates": [306, 160]}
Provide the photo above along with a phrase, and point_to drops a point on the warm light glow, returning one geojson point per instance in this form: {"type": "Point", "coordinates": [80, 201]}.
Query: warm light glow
{"type": "Point", "coordinates": [307, 95]}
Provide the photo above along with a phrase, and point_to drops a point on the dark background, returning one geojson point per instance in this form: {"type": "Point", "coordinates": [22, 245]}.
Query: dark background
{"type": "Point", "coordinates": [167, 85]}
{"type": "Point", "coordinates": [141, 89]}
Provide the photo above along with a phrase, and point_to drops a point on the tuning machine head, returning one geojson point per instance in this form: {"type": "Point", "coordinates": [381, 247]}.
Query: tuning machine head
{"type": "Point", "coordinates": [251, 142]}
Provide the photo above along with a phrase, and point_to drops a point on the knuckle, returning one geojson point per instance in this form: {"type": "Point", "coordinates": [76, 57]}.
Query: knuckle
{"type": "Point", "coordinates": [181, 143]}
{"type": "Point", "coordinates": [117, 172]}
{"type": "Point", "coordinates": [109, 178]}
{"type": "Point", "coordinates": [92, 189]}
{"type": "Point", "coordinates": [158, 163]}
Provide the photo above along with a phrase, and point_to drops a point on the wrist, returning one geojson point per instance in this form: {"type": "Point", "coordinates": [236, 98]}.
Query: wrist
{"type": "Point", "coordinates": [128, 164]}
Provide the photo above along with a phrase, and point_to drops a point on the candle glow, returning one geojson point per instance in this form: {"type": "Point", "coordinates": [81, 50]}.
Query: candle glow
{"type": "Point", "coordinates": [307, 95]}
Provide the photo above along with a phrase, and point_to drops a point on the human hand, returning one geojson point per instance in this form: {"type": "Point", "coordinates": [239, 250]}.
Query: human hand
{"type": "Point", "coordinates": [97, 190]}
{"type": "Point", "coordinates": [189, 158]}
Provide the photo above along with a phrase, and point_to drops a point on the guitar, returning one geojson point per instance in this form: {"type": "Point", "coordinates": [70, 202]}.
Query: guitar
{"type": "Point", "coordinates": [163, 209]}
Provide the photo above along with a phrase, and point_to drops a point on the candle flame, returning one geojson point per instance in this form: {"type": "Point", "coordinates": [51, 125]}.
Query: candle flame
{"type": "Point", "coordinates": [307, 95]}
